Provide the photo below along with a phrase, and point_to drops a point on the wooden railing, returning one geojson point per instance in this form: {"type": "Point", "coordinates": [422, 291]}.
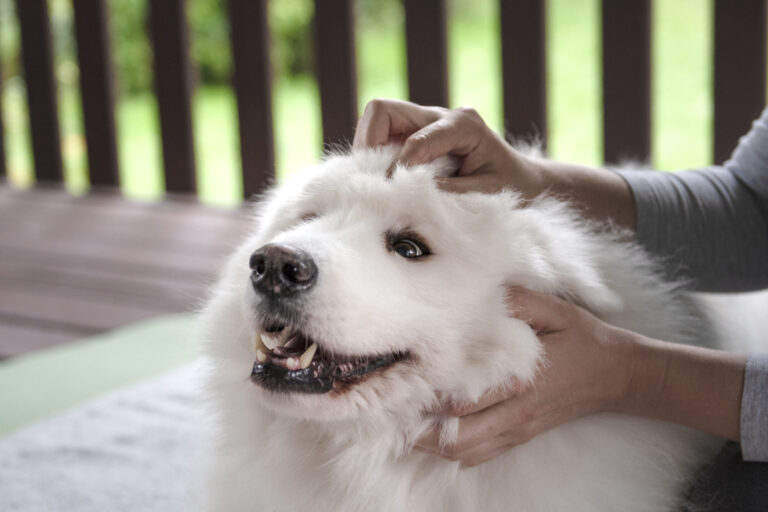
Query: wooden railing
{"type": "Point", "coordinates": [739, 78]}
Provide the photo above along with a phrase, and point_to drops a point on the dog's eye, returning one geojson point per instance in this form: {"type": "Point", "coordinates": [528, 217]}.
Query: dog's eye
{"type": "Point", "coordinates": [409, 248]}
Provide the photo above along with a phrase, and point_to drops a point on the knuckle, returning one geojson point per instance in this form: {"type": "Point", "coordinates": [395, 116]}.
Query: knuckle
{"type": "Point", "coordinates": [376, 107]}
{"type": "Point", "coordinates": [469, 113]}
{"type": "Point", "coordinates": [418, 146]}
{"type": "Point", "coordinates": [376, 104]}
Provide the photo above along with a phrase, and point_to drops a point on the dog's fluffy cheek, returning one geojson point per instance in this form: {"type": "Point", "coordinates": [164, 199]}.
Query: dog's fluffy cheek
{"type": "Point", "coordinates": [224, 324]}
{"type": "Point", "coordinates": [509, 352]}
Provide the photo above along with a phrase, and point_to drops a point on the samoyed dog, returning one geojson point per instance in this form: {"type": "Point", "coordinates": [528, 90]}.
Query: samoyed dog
{"type": "Point", "coordinates": [362, 296]}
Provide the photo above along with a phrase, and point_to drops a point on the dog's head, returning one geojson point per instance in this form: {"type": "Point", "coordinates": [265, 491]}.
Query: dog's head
{"type": "Point", "coordinates": [362, 294]}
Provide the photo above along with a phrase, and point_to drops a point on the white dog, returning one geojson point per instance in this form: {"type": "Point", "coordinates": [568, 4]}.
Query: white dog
{"type": "Point", "coordinates": [360, 297]}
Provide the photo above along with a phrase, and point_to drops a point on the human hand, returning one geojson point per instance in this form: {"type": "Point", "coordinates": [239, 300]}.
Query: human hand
{"type": "Point", "coordinates": [586, 370]}
{"type": "Point", "coordinates": [488, 163]}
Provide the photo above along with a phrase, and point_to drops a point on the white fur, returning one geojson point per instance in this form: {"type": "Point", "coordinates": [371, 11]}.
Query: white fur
{"type": "Point", "coordinates": [352, 451]}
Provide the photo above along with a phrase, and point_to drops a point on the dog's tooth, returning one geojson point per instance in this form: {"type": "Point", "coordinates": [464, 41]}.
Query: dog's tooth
{"type": "Point", "coordinates": [261, 356]}
{"type": "Point", "coordinates": [258, 345]}
{"type": "Point", "coordinates": [270, 341]}
{"type": "Point", "coordinates": [292, 363]}
{"type": "Point", "coordinates": [308, 355]}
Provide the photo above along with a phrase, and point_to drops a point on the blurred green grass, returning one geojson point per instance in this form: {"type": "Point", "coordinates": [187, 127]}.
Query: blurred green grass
{"type": "Point", "coordinates": [681, 99]}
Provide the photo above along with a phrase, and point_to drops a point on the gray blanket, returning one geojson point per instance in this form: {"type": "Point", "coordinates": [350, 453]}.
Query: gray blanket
{"type": "Point", "coordinates": [136, 449]}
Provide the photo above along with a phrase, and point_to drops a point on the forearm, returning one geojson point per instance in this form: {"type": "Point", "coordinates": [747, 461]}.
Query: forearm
{"type": "Point", "coordinates": [600, 194]}
{"type": "Point", "coordinates": [692, 386]}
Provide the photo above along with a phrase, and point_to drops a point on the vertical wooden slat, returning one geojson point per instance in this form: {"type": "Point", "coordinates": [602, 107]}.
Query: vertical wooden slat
{"type": "Point", "coordinates": [336, 70]}
{"type": "Point", "coordinates": [173, 86]}
{"type": "Point", "coordinates": [3, 169]}
{"type": "Point", "coordinates": [96, 91]}
{"type": "Point", "coordinates": [426, 40]}
{"type": "Point", "coordinates": [739, 75]}
{"type": "Point", "coordinates": [37, 54]}
{"type": "Point", "coordinates": [523, 59]}
{"type": "Point", "coordinates": [626, 80]}
{"type": "Point", "coordinates": [253, 85]}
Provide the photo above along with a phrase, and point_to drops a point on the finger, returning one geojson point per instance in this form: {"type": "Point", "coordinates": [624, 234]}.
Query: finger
{"type": "Point", "coordinates": [476, 429]}
{"type": "Point", "coordinates": [490, 398]}
{"type": "Point", "coordinates": [360, 132]}
{"type": "Point", "coordinates": [543, 312]}
{"type": "Point", "coordinates": [484, 452]}
{"type": "Point", "coordinates": [454, 134]}
{"type": "Point", "coordinates": [430, 441]}
{"type": "Point", "coordinates": [373, 127]}
{"type": "Point", "coordinates": [385, 121]}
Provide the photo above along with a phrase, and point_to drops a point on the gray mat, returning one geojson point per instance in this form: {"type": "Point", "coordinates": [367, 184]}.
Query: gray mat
{"type": "Point", "coordinates": [136, 449]}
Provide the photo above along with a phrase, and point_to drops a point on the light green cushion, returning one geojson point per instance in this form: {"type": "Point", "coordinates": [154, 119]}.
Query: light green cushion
{"type": "Point", "coordinates": [41, 384]}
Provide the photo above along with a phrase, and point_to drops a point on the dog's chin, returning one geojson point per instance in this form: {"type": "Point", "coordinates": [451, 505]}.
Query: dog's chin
{"type": "Point", "coordinates": [368, 399]}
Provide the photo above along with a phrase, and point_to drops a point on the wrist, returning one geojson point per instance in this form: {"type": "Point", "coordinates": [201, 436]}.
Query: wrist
{"type": "Point", "coordinates": [692, 386]}
{"type": "Point", "coordinates": [643, 383]}
{"type": "Point", "coordinates": [531, 172]}
{"type": "Point", "coordinates": [623, 365]}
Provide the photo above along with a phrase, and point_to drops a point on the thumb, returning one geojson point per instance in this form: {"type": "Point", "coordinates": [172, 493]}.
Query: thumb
{"type": "Point", "coordinates": [543, 312]}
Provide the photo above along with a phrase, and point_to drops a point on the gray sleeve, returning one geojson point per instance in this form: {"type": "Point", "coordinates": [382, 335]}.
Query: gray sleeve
{"type": "Point", "coordinates": [710, 226]}
{"type": "Point", "coordinates": [754, 410]}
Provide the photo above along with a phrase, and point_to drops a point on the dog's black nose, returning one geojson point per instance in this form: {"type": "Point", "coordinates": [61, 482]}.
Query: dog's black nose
{"type": "Point", "coordinates": [280, 271]}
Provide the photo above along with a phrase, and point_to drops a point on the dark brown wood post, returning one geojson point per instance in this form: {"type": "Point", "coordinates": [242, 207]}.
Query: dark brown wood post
{"type": "Point", "coordinates": [3, 169]}
{"type": "Point", "coordinates": [253, 87]}
{"type": "Point", "coordinates": [173, 86]}
{"type": "Point", "coordinates": [524, 68]}
{"type": "Point", "coordinates": [426, 40]}
{"type": "Point", "coordinates": [739, 78]}
{"type": "Point", "coordinates": [97, 90]}
{"type": "Point", "coordinates": [336, 69]}
{"type": "Point", "coordinates": [626, 80]}
{"type": "Point", "coordinates": [37, 55]}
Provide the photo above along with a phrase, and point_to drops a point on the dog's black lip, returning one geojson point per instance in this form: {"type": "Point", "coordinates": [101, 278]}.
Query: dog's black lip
{"type": "Point", "coordinates": [313, 379]}
{"type": "Point", "coordinates": [319, 377]}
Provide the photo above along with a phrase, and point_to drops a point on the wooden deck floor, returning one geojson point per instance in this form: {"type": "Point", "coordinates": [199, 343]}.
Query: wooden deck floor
{"type": "Point", "coordinates": [75, 266]}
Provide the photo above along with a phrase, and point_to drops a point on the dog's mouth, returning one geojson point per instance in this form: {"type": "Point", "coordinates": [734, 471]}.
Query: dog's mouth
{"type": "Point", "coordinates": [288, 361]}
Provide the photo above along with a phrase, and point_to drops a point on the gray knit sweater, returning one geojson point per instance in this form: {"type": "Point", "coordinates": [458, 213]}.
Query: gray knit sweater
{"type": "Point", "coordinates": [711, 228]}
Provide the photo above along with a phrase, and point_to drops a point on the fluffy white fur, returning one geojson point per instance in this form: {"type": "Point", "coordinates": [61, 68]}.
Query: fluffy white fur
{"type": "Point", "coordinates": [352, 451]}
